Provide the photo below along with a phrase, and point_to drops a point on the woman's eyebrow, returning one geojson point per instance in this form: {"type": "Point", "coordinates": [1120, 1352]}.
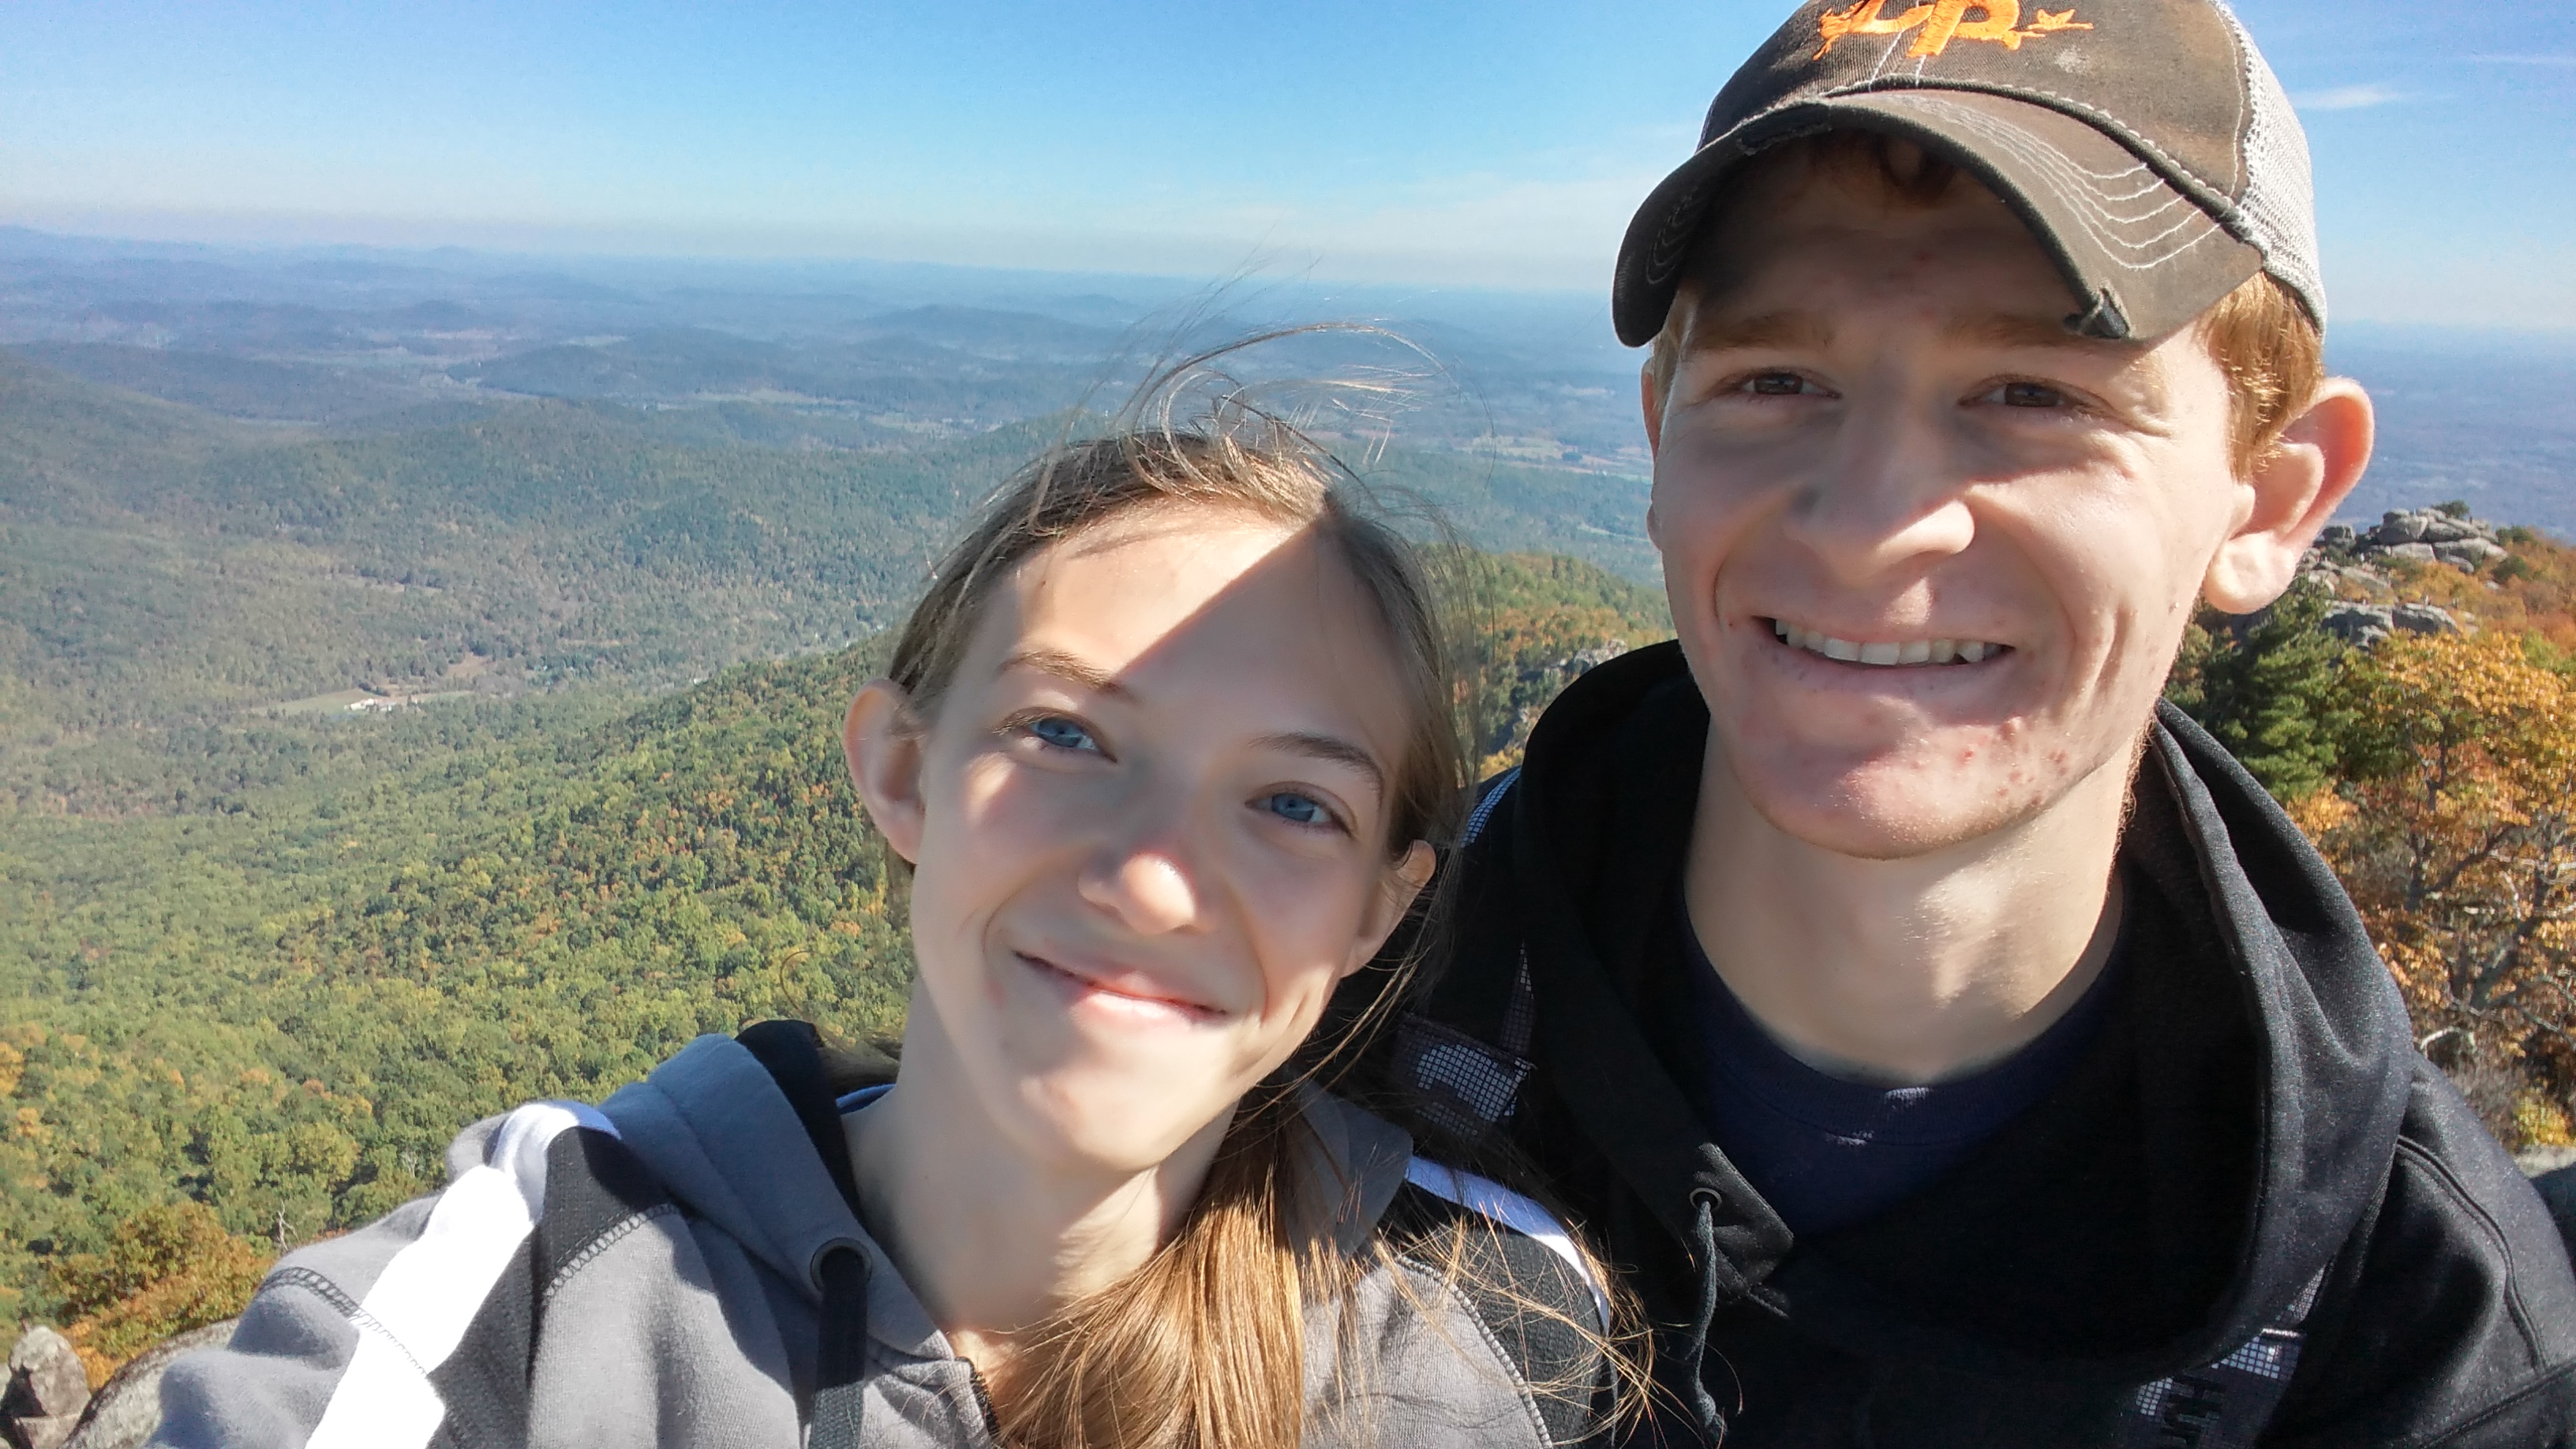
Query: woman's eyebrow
{"type": "Point", "coordinates": [1068, 668]}
{"type": "Point", "coordinates": [1332, 748]}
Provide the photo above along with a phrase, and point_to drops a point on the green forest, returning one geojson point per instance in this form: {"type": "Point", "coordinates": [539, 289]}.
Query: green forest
{"type": "Point", "coordinates": [262, 955]}
{"type": "Point", "coordinates": [260, 959]}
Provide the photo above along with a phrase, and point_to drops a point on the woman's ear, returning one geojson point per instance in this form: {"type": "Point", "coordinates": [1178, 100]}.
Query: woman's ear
{"type": "Point", "coordinates": [881, 737]}
{"type": "Point", "coordinates": [2294, 490]}
{"type": "Point", "coordinates": [1404, 882]}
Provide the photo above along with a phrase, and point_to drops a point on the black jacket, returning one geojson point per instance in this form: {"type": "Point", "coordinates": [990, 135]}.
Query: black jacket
{"type": "Point", "coordinates": [2252, 1212]}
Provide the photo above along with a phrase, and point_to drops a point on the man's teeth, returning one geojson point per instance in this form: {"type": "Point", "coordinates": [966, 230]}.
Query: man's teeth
{"type": "Point", "coordinates": [1918, 651]}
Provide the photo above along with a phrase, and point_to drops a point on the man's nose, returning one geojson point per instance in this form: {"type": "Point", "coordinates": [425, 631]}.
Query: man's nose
{"type": "Point", "coordinates": [1888, 495]}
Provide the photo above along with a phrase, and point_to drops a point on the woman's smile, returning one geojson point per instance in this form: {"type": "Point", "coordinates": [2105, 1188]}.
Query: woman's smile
{"type": "Point", "coordinates": [1117, 993]}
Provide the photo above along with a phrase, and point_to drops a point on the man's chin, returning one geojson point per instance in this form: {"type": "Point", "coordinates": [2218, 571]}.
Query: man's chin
{"type": "Point", "coordinates": [1882, 809]}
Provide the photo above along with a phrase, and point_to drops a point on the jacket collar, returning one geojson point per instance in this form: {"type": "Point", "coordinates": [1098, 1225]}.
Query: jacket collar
{"type": "Point", "coordinates": [730, 1148]}
{"type": "Point", "coordinates": [1600, 822]}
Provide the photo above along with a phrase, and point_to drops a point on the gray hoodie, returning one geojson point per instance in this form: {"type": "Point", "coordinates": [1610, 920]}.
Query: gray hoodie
{"type": "Point", "coordinates": [651, 1271]}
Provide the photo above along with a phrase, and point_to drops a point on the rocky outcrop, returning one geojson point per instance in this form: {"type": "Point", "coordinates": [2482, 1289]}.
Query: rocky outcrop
{"type": "Point", "coordinates": [47, 1391]}
{"type": "Point", "coordinates": [128, 1407]}
{"type": "Point", "coordinates": [2351, 561]}
{"type": "Point", "coordinates": [2418, 535]}
{"type": "Point", "coordinates": [2367, 624]}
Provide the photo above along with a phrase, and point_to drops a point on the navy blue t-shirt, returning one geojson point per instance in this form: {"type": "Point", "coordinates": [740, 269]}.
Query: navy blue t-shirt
{"type": "Point", "coordinates": [1826, 1152]}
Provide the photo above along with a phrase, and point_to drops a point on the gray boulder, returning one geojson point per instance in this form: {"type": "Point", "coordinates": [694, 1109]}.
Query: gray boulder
{"type": "Point", "coordinates": [2411, 552]}
{"type": "Point", "coordinates": [2361, 625]}
{"type": "Point", "coordinates": [2397, 527]}
{"type": "Point", "coordinates": [2424, 619]}
{"type": "Point", "coordinates": [47, 1390]}
{"type": "Point", "coordinates": [128, 1406]}
{"type": "Point", "coordinates": [2339, 536]}
{"type": "Point", "coordinates": [2470, 554]}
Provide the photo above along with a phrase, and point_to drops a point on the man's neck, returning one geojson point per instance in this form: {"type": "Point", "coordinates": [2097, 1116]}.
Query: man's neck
{"type": "Point", "coordinates": [1912, 970]}
{"type": "Point", "coordinates": [991, 1238]}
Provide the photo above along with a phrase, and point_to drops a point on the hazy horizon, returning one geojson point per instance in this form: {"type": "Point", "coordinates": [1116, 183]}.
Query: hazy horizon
{"type": "Point", "coordinates": [1490, 146]}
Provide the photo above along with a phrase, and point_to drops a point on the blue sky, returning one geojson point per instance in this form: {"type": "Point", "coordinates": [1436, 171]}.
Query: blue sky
{"type": "Point", "coordinates": [1497, 143]}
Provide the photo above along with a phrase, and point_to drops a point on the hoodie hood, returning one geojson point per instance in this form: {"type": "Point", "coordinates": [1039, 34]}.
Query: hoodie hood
{"type": "Point", "coordinates": [730, 1148]}
{"type": "Point", "coordinates": [2262, 1006]}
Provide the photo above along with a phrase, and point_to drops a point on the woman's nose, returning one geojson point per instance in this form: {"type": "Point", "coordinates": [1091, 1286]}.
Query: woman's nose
{"type": "Point", "coordinates": [1147, 886]}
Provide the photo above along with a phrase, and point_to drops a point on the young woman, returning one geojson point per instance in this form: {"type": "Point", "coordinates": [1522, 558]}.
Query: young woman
{"type": "Point", "coordinates": [1164, 753]}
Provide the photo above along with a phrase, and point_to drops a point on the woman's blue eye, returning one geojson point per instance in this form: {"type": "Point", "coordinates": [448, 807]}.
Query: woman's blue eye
{"type": "Point", "coordinates": [1297, 809]}
{"type": "Point", "coordinates": [1062, 733]}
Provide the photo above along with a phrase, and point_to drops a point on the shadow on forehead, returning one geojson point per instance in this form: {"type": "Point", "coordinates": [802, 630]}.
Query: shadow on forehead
{"type": "Point", "coordinates": [1305, 571]}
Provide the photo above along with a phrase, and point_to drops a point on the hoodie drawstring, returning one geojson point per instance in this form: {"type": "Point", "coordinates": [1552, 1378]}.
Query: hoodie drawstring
{"type": "Point", "coordinates": [1712, 1421]}
{"type": "Point", "coordinates": [841, 1362]}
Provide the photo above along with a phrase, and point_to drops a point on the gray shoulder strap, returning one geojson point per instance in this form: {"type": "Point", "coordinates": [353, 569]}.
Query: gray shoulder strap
{"type": "Point", "coordinates": [2225, 1405]}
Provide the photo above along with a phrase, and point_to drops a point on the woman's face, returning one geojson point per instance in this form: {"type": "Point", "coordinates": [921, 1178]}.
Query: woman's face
{"type": "Point", "coordinates": [1149, 822]}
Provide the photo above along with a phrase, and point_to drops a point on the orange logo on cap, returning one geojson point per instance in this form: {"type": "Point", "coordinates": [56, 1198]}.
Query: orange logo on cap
{"type": "Point", "coordinates": [1997, 20]}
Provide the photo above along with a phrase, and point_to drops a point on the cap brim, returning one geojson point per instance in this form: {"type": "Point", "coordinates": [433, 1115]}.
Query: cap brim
{"type": "Point", "coordinates": [2141, 258]}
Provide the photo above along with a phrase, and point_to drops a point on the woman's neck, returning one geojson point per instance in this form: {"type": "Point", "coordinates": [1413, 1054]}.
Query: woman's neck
{"type": "Point", "coordinates": [993, 1238]}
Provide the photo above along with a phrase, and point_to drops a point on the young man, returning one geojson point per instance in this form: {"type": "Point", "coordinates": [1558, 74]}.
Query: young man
{"type": "Point", "coordinates": [1957, 1047]}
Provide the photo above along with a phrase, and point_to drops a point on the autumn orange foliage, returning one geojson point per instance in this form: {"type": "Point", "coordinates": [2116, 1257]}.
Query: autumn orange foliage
{"type": "Point", "coordinates": [2531, 592]}
{"type": "Point", "coordinates": [2454, 829]}
{"type": "Point", "coordinates": [168, 1269]}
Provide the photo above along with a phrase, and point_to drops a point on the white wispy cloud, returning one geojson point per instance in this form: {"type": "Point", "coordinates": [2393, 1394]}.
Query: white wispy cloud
{"type": "Point", "coordinates": [2348, 98]}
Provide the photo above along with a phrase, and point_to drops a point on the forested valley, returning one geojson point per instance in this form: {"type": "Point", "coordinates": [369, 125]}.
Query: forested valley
{"type": "Point", "coordinates": [419, 687]}
{"type": "Point", "coordinates": [262, 954]}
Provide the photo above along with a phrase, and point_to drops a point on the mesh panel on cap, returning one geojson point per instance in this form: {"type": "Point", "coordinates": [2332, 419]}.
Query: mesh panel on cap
{"type": "Point", "coordinates": [2280, 200]}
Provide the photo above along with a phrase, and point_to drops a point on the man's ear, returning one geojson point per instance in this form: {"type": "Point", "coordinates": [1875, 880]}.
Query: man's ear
{"type": "Point", "coordinates": [881, 738]}
{"type": "Point", "coordinates": [1650, 399]}
{"type": "Point", "coordinates": [2293, 491]}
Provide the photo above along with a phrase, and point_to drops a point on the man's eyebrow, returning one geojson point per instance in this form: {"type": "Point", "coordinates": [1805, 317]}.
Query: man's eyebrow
{"type": "Point", "coordinates": [1066, 667]}
{"type": "Point", "coordinates": [2008, 329]}
{"type": "Point", "coordinates": [1328, 747]}
{"type": "Point", "coordinates": [1766, 329]}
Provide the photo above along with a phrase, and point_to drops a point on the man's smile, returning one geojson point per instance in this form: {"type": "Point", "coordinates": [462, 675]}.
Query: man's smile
{"type": "Point", "coordinates": [1886, 653]}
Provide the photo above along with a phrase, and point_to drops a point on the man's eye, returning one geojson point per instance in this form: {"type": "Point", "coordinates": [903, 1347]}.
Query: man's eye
{"type": "Point", "coordinates": [1776, 384]}
{"type": "Point", "coordinates": [1062, 733]}
{"type": "Point", "coordinates": [1296, 808]}
{"type": "Point", "coordinates": [2028, 395]}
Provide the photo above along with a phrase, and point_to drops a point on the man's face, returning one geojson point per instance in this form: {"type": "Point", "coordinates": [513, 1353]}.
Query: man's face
{"type": "Point", "coordinates": [1981, 536]}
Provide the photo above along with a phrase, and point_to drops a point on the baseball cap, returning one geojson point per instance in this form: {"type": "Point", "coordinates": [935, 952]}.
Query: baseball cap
{"type": "Point", "coordinates": [2145, 142]}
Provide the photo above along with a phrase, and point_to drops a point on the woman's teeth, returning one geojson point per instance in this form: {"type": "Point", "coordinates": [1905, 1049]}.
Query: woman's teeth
{"type": "Point", "coordinates": [1918, 651]}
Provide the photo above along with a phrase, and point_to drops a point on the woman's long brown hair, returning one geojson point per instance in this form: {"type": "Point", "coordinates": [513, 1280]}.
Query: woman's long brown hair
{"type": "Point", "coordinates": [1204, 1346]}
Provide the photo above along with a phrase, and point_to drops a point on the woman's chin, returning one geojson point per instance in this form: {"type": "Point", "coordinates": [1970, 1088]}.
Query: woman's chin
{"type": "Point", "coordinates": [1114, 1123]}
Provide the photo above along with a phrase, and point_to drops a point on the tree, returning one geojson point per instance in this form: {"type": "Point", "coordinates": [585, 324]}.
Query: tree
{"type": "Point", "coordinates": [2455, 832]}
{"type": "Point", "coordinates": [168, 1269]}
{"type": "Point", "coordinates": [2264, 685]}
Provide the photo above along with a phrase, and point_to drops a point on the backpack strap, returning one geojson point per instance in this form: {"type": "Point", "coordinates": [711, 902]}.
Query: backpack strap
{"type": "Point", "coordinates": [1466, 1085]}
{"type": "Point", "coordinates": [1487, 802]}
{"type": "Point", "coordinates": [2225, 1405]}
{"type": "Point", "coordinates": [1516, 1269]}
